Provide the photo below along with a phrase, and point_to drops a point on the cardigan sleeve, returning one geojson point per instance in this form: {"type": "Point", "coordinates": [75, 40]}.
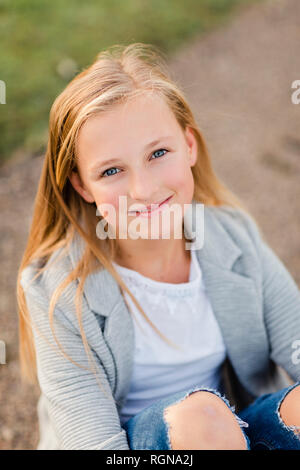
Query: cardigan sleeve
{"type": "Point", "coordinates": [81, 415]}
{"type": "Point", "coordinates": [281, 304]}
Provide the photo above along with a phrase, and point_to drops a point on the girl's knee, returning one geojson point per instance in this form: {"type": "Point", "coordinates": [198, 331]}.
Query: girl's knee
{"type": "Point", "coordinates": [290, 408]}
{"type": "Point", "coordinates": [203, 421]}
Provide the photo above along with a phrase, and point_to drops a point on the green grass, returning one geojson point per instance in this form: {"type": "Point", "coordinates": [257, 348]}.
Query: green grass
{"type": "Point", "coordinates": [36, 36]}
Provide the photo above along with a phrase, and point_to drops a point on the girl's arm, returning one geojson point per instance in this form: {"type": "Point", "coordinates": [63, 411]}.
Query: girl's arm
{"type": "Point", "coordinates": [81, 415]}
{"type": "Point", "coordinates": [281, 304]}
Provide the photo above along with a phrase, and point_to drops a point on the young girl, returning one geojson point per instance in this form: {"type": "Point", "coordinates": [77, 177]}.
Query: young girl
{"type": "Point", "coordinates": [173, 341]}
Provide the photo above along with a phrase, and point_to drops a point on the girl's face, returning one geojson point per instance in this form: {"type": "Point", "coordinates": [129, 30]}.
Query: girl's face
{"type": "Point", "coordinates": [136, 150]}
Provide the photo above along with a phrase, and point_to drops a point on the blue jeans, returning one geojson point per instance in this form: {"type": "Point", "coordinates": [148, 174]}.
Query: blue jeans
{"type": "Point", "coordinates": [260, 423]}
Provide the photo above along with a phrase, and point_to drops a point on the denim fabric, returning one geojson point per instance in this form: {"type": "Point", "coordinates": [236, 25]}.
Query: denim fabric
{"type": "Point", "coordinates": [266, 429]}
{"type": "Point", "coordinates": [148, 430]}
{"type": "Point", "coordinates": [260, 423]}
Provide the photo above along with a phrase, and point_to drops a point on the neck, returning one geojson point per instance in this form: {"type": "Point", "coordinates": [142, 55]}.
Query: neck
{"type": "Point", "coordinates": [157, 259]}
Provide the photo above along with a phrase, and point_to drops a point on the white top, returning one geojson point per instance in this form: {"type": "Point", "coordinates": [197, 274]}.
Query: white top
{"type": "Point", "coordinates": [183, 313]}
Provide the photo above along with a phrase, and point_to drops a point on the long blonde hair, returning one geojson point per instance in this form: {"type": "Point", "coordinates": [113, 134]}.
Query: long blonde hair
{"type": "Point", "coordinates": [117, 74]}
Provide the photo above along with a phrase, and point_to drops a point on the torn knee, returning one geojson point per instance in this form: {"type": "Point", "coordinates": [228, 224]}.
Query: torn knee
{"type": "Point", "coordinates": [289, 411]}
{"type": "Point", "coordinates": [202, 420]}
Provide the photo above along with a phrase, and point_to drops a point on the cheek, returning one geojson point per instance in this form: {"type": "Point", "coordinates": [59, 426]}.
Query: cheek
{"type": "Point", "coordinates": [181, 177]}
{"type": "Point", "coordinates": [105, 195]}
{"type": "Point", "coordinates": [109, 198]}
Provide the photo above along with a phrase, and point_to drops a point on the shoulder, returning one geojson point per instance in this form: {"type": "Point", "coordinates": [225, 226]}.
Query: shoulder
{"type": "Point", "coordinates": [40, 280]}
{"type": "Point", "coordinates": [259, 260]}
{"type": "Point", "coordinates": [40, 277]}
{"type": "Point", "coordinates": [239, 224]}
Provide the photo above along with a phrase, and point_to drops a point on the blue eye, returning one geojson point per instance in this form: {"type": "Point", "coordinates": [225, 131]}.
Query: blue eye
{"type": "Point", "coordinates": [103, 175]}
{"type": "Point", "coordinates": [160, 150]}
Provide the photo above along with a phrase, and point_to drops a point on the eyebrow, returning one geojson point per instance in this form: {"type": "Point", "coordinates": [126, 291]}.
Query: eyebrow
{"type": "Point", "coordinates": [113, 160]}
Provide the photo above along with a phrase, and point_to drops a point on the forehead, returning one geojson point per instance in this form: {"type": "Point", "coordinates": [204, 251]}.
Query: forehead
{"type": "Point", "coordinates": [145, 117]}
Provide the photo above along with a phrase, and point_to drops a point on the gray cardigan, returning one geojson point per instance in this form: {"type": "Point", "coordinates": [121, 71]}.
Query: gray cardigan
{"type": "Point", "coordinates": [254, 298]}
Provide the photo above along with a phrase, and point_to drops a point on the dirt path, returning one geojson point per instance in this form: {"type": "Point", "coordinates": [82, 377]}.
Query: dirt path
{"type": "Point", "coordinates": [238, 80]}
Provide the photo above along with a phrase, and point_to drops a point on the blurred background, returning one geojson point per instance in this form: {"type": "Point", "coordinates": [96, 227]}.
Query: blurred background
{"type": "Point", "coordinates": [235, 60]}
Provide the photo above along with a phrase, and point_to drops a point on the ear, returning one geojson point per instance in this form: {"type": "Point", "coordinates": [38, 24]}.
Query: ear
{"type": "Point", "coordinates": [77, 184]}
{"type": "Point", "coordinates": [192, 145]}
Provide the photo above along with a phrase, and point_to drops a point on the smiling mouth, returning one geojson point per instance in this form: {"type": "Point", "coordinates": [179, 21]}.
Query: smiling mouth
{"type": "Point", "coordinates": [156, 207]}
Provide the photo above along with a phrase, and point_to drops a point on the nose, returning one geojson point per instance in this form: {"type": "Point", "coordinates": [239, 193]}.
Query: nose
{"type": "Point", "coordinates": [142, 187]}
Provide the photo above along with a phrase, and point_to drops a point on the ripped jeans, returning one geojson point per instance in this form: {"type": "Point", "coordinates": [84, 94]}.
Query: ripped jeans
{"type": "Point", "coordinates": [260, 423]}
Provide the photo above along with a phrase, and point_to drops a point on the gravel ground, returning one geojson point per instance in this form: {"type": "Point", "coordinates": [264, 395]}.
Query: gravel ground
{"type": "Point", "coordinates": [238, 80]}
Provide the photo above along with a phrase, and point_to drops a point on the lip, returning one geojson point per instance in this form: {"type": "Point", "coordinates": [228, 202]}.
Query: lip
{"type": "Point", "coordinates": [149, 212]}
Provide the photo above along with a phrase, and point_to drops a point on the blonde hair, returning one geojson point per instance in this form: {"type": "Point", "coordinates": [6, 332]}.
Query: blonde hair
{"type": "Point", "coordinates": [117, 74]}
